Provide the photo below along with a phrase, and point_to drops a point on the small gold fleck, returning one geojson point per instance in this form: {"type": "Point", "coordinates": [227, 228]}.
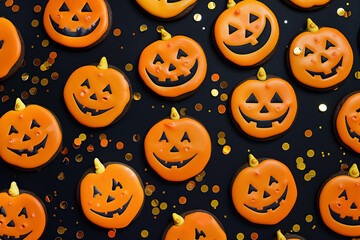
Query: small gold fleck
{"type": "Point", "coordinates": [25, 76]}
{"type": "Point", "coordinates": [340, 12]}
{"type": "Point", "coordinates": [137, 96]}
{"type": "Point", "coordinates": [214, 92]}
{"type": "Point", "coordinates": [143, 28]}
{"type": "Point", "coordinates": [129, 67]}
{"type": "Point", "coordinates": [297, 51]}
{"type": "Point", "coordinates": [197, 17]}
{"type": "Point", "coordinates": [211, 5]}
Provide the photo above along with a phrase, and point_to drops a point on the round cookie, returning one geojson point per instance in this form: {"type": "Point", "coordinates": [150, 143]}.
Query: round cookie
{"type": "Point", "coordinates": [308, 5]}
{"type": "Point", "coordinates": [195, 224]}
{"type": "Point", "coordinates": [177, 148]}
{"type": "Point", "coordinates": [346, 121]}
{"type": "Point", "coordinates": [173, 67]}
{"type": "Point", "coordinates": [263, 191]}
{"type": "Point", "coordinates": [111, 195]}
{"type": "Point", "coordinates": [22, 214]}
{"type": "Point", "coordinates": [167, 9]}
{"type": "Point", "coordinates": [247, 33]}
{"type": "Point", "coordinates": [339, 202]}
{"type": "Point", "coordinates": [263, 107]}
{"type": "Point", "coordinates": [11, 49]}
{"type": "Point", "coordinates": [320, 58]}
{"type": "Point", "coordinates": [30, 136]}
{"type": "Point", "coordinates": [98, 96]}
{"type": "Point", "coordinates": [77, 24]}
{"type": "Point", "coordinates": [280, 236]}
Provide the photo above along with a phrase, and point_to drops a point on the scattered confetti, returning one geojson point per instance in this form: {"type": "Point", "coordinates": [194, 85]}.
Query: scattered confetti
{"type": "Point", "coordinates": [322, 107]}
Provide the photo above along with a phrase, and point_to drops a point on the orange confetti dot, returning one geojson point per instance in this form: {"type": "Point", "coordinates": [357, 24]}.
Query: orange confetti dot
{"type": "Point", "coordinates": [104, 142]}
{"type": "Point", "coordinates": [77, 141]}
{"type": "Point", "coordinates": [117, 32]}
{"type": "Point", "coordinates": [53, 55]}
{"type": "Point", "coordinates": [119, 145]}
{"type": "Point", "coordinates": [221, 109]}
{"type": "Point", "coordinates": [254, 236]}
{"type": "Point", "coordinates": [215, 77]}
{"type": "Point", "coordinates": [9, 3]}
{"type": "Point", "coordinates": [182, 200]}
{"type": "Point", "coordinates": [15, 8]}
{"type": "Point", "coordinates": [215, 188]}
{"type": "Point", "coordinates": [111, 234]}
{"type": "Point", "coordinates": [37, 8]}
{"type": "Point", "coordinates": [308, 133]}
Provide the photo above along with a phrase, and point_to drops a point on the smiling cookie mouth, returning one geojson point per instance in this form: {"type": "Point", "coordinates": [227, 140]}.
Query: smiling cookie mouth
{"type": "Point", "coordinates": [80, 31]}
{"type": "Point", "coordinates": [272, 206]}
{"type": "Point", "coordinates": [181, 79]}
{"type": "Point", "coordinates": [248, 48]}
{"type": "Point", "coordinates": [32, 152]}
{"type": "Point", "coordinates": [119, 211]}
{"type": "Point", "coordinates": [264, 123]}
{"type": "Point", "coordinates": [92, 111]}
{"type": "Point", "coordinates": [325, 76]}
{"type": "Point", "coordinates": [179, 164]}
{"type": "Point", "coordinates": [351, 133]}
{"type": "Point", "coordinates": [21, 237]}
{"type": "Point", "coordinates": [347, 220]}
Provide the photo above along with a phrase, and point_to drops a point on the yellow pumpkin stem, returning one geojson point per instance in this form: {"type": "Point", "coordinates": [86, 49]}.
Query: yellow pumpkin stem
{"type": "Point", "coordinates": [165, 35]}
{"type": "Point", "coordinates": [174, 115]}
{"type": "Point", "coordinates": [99, 167]}
{"type": "Point", "coordinates": [280, 236]}
{"type": "Point", "coordinates": [230, 4]}
{"type": "Point", "coordinates": [311, 26]}
{"type": "Point", "coordinates": [103, 65]}
{"type": "Point", "coordinates": [253, 162]}
{"type": "Point", "coordinates": [19, 105]}
{"type": "Point", "coordinates": [354, 171]}
{"type": "Point", "coordinates": [178, 220]}
{"type": "Point", "coordinates": [261, 75]}
{"type": "Point", "coordinates": [13, 190]}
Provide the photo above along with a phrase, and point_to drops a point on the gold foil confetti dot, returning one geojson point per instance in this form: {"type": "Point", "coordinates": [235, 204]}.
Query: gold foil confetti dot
{"type": "Point", "coordinates": [297, 51]}
{"type": "Point", "coordinates": [221, 109]}
{"type": "Point", "coordinates": [357, 74]}
{"type": "Point", "coordinates": [211, 5]}
{"type": "Point", "coordinates": [221, 135]}
{"type": "Point", "coordinates": [223, 97]}
{"type": "Point", "coordinates": [183, 111]}
{"type": "Point", "coordinates": [82, 137]}
{"type": "Point", "coordinates": [143, 28]}
{"type": "Point", "coordinates": [307, 177]}
{"type": "Point", "coordinates": [33, 91]}
{"type": "Point", "coordinates": [223, 84]}
{"type": "Point", "coordinates": [54, 76]}
{"type": "Point", "coordinates": [66, 161]}
{"type": "Point", "coordinates": [61, 230]}
{"type": "Point", "coordinates": [340, 12]}
{"type": "Point", "coordinates": [144, 233]}
{"type": "Point", "coordinates": [102, 136]}
{"type": "Point", "coordinates": [190, 185]}
{"type": "Point", "coordinates": [301, 166]}
{"type": "Point", "coordinates": [158, 29]}
{"type": "Point", "coordinates": [61, 176]}
{"type": "Point", "coordinates": [63, 204]}
{"type": "Point", "coordinates": [214, 203]}
{"type": "Point", "coordinates": [309, 218]}
{"type": "Point", "coordinates": [155, 211]}
{"type": "Point", "coordinates": [128, 156]}
{"type": "Point", "coordinates": [299, 160]}
{"type": "Point", "coordinates": [44, 82]}
{"type": "Point", "coordinates": [45, 43]}
{"type": "Point", "coordinates": [129, 67]}
{"type": "Point", "coordinates": [214, 92]}
{"type": "Point", "coordinates": [136, 137]}
{"type": "Point", "coordinates": [155, 203]}
{"type": "Point", "coordinates": [296, 228]}
{"type": "Point", "coordinates": [149, 190]}
{"type": "Point", "coordinates": [240, 236]}
{"type": "Point", "coordinates": [322, 107]}
{"type": "Point", "coordinates": [202, 174]}
{"type": "Point", "coordinates": [119, 145]}
{"type": "Point", "coordinates": [310, 153]}
{"type": "Point", "coordinates": [215, 77]}
{"type": "Point", "coordinates": [312, 173]}
{"type": "Point", "coordinates": [308, 133]}
{"type": "Point", "coordinates": [182, 200]}
{"type": "Point", "coordinates": [226, 149]}
{"type": "Point", "coordinates": [197, 17]}
{"type": "Point", "coordinates": [37, 9]}
{"type": "Point", "coordinates": [90, 148]}
{"type": "Point", "coordinates": [24, 95]}
{"type": "Point", "coordinates": [163, 206]}
{"type": "Point", "coordinates": [198, 107]}
{"type": "Point", "coordinates": [79, 158]}
{"type": "Point", "coordinates": [204, 188]}
{"type": "Point", "coordinates": [43, 68]}
{"type": "Point", "coordinates": [285, 146]}
{"type": "Point", "coordinates": [79, 234]}
{"type": "Point", "coordinates": [198, 178]}
{"type": "Point", "coordinates": [137, 96]}
{"type": "Point", "coordinates": [34, 23]}
{"type": "Point", "coordinates": [221, 141]}
{"type": "Point", "coordinates": [216, 189]}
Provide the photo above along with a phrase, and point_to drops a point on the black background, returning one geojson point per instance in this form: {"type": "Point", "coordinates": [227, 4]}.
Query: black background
{"type": "Point", "coordinates": [128, 17]}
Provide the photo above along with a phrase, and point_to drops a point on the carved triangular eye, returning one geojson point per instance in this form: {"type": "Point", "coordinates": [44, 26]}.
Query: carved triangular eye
{"type": "Point", "coordinates": [107, 89]}
{"type": "Point", "coordinates": [248, 33]}
{"type": "Point", "coordinates": [13, 130]}
{"type": "Point", "coordinates": [252, 189]}
{"type": "Point", "coordinates": [308, 51]}
{"type": "Point", "coordinates": [64, 8]}
{"type": "Point", "coordinates": [96, 192]}
{"type": "Point", "coordinates": [1, 43]}
{"type": "Point", "coordinates": [276, 99]}
{"type": "Point", "coordinates": [328, 45]}
{"type": "Point", "coordinates": [272, 180]}
{"type": "Point", "coordinates": [34, 124]}
{"type": "Point", "coordinates": [23, 212]}
{"type": "Point", "coordinates": [185, 137]}
{"type": "Point", "coordinates": [232, 29]}
{"type": "Point", "coordinates": [199, 234]}
{"type": "Point", "coordinates": [116, 184]}
{"type": "Point", "coordinates": [343, 194]}
{"type": "Point", "coordinates": [85, 83]}
{"type": "Point", "coordinates": [86, 8]}
{"type": "Point", "coordinates": [163, 137]}
{"type": "Point", "coordinates": [158, 59]}
{"type": "Point", "coordinates": [252, 99]}
{"type": "Point", "coordinates": [253, 18]}
{"type": "Point", "coordinates": [181, 53]}
{"type": "Point", "coordinates": [2, 211]}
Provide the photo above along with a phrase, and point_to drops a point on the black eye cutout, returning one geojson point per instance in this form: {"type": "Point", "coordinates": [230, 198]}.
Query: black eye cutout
{"type": "Point", "coordinates": [252, 99]}
{"type": "Point", "coordinates": [107, 89]}
{"type": "Point", "coordinates": [86, 83]}
{"type": "Point", "coordinates": [64, 8]}
{"type": "Point", "coordinates": [232, 29]}
{"type": "Point", "coordinates": [343, 194]}
{"type": "Point", "coordinates": [116, 184]}
{"type": "Point", "coordinates": [358, 110]}
{"type": "Point", "coordinates": [272, 180]}
{"type": "Point", "coordinates": [199, 234]}
{"type": "Point", "coordinates": [34, 124]}
{"type": "Point", "coordinates": [158, 59]}
{"type": "Point", "coordinates": [163, 137]}
{"type": "Point", "coordinates": [308, 51]}
{"type": "Point", "coordinates": [185, 137]}
{"type": "Point", "coordinates": [1, 43]}
{"type": "Point", "coordinates": [13, 130]}
{"type": "Point", "coordinates": [180, 54]}
{"type": "Point", "coordinates": [2, 211]}
{"type": "Point", "coordinates": [253, 18]}
{"type": "Point", "coordinates": [96, 192]}
{"type": "Point", "coordinates": [252, 189]}
{"type": "Point", "coordinates": [23, 212]}
{"type": "Point", "coordinates": [276, 99]}
{"type": "Point", "coordinates": [86, 8]}
{"type": "Point", "coordinates": [328, 45]}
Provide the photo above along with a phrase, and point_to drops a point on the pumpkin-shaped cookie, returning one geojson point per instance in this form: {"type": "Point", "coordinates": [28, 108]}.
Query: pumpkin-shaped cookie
{"type": "Point", "coordinates": [11, 49]}
{"type": "Point", "coordinates": [264, 191]}
{"type": "Point", "coordinates": [320, 58]}
{"type": "Point", "coordinates": [22, 215]}
{"type": "Point", "coordinates": [347, 121]}
{"type": "Point", "coordinates": [247, 33]}
{"type": "Point", "coordinates": [98, 95]}
{"type": "Point", "coordinates": [173, 67]}
{"type": "Point", "coordinates": [177, 148]}
{"type": "Point", "coordinates": [167, 9]}
{"type": "Point", "coordinates": [263, 107]}
{"type": "Point", "coordinates": [111, 195]}
{"type": "Point", "coordinates": [30, 136]}
{"type": "Point", "coordinates": [308, 4]}
{"type": "Point", "coordinates": [280, 236]}
{"type": "Point", "coordinates": [339, 202]}
{"type": "Point", "coordinates": [194, 225]}
{"type": "Point", "coordinates": [77, 24]}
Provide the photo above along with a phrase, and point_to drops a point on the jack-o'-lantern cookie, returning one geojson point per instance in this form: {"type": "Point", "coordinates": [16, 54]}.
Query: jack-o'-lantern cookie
{"type": "Point", "coordinates": [30, 136]}
{"type": "Point", "coordinates": [339, 202]}
{"type": "Point", "coordinates": [98, 95]}
{"type": "Point", "coordinates": [22, 215]}
{"type": "Point", "coordinates": [264, 191]}
{"type": "Point", "coordinates": [346, 121]}
{"type": "Point", "coordinates": [173, 67]}
{"type": "Point", "coordinates": [308, 4]}
{"type": "Point", "coordinates": [196, 224]}
{"type": "Point", "coordinates": [167, 9]}
{"type": "Point", "coordinates": [263, 107]}
{"type": "Point", "coordinates": [287, 236]}
{"type": "Point", "coordinates": [77, 24]}
{"type": "Point", "coordinates": [11, 49]}
{"type": "Point", "coordinates": [247, 33]}
{"type": "Point", "coordinates": [177, 148]}
{"type": "Point", "coordinates": [111, 195]}
{"type": "Point", "coordinates": [320, 58]}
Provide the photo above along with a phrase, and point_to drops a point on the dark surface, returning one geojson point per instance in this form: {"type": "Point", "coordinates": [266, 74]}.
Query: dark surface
{"type": "Point", "coordinates": [141, 116]}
